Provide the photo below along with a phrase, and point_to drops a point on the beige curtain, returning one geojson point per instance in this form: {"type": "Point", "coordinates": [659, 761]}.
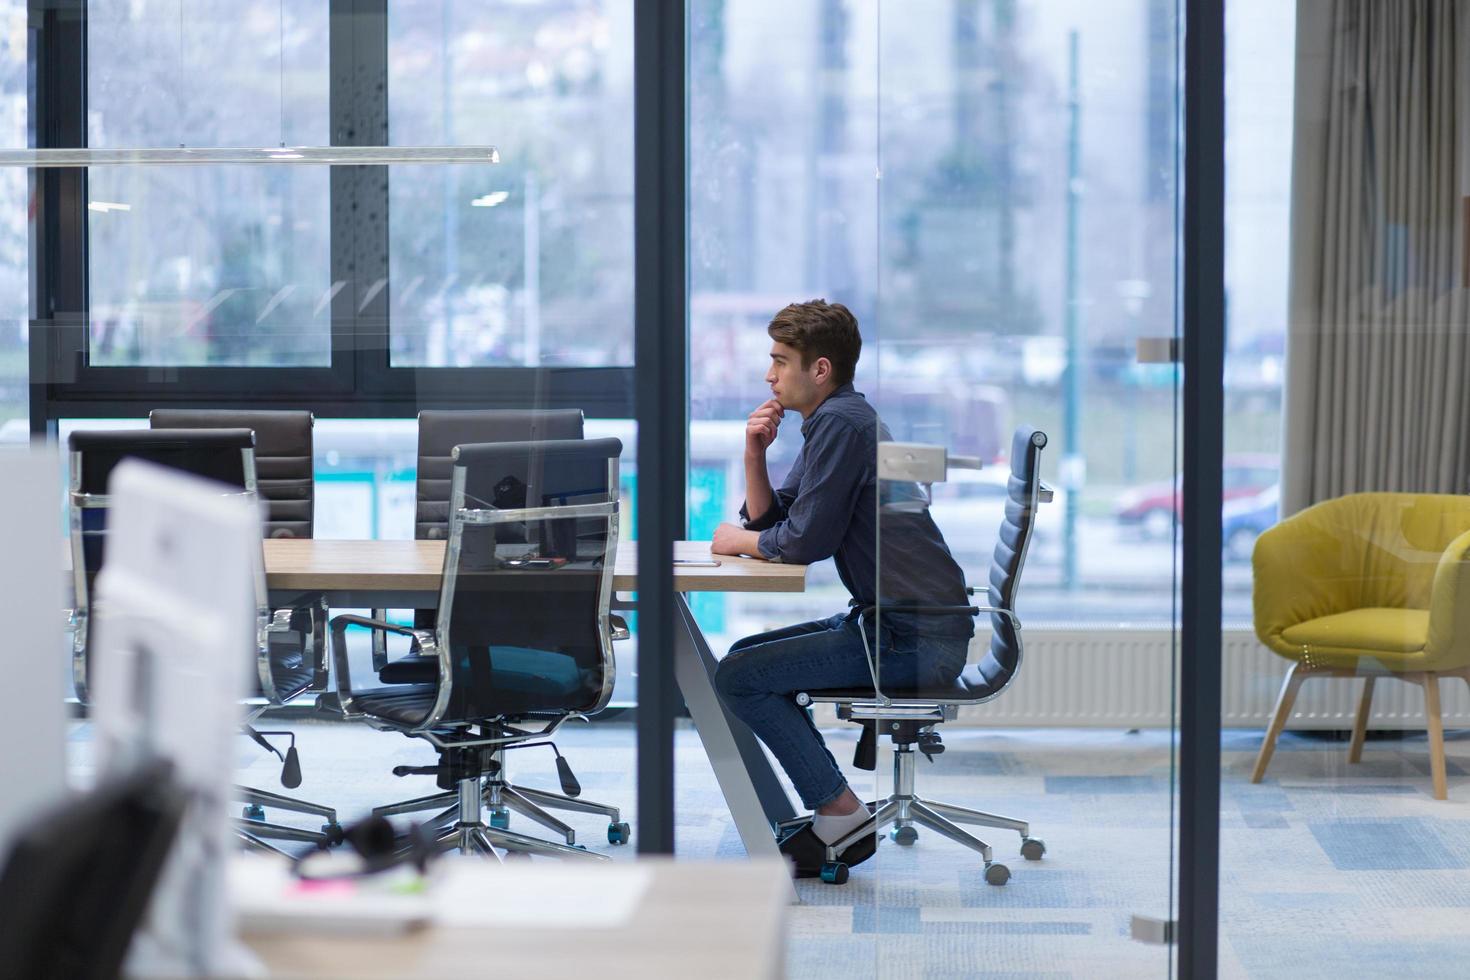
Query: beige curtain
{"type": "Point", "coordinates": [1378, 364]}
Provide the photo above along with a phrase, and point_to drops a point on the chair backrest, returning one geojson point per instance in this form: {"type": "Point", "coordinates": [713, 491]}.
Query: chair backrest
{"type": "Point", "coordinates": [524, 606]}
{"type": "Point", "coordinates": [1023, 496]}
{"type": "Point", "coordinates": [79, 877]}
{"type": "Point", "coordinates": [441, 431]}
{"type": "Point", "coordinates": [222, 455]}
{"type": "Point", "coordinates": [283, 459]}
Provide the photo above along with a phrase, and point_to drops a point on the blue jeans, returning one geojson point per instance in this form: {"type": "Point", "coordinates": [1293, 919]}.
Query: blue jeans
{"type": "Point", "coordinates": [761, 675]}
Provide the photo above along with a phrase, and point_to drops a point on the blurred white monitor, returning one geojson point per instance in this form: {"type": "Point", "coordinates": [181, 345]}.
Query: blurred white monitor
{"type": "Point", "coordinates": [177, 620]}
{"type": "Point", "coordinates": [33, 724]}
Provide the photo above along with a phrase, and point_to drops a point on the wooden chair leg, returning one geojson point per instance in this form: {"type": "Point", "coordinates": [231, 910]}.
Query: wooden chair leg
{"type": "Point", "coordinates": [1284, 701]}
{"type": "Point", "coordinates": [1430, 680]}
{"type": "Point", "coordinates": [1360, 724]}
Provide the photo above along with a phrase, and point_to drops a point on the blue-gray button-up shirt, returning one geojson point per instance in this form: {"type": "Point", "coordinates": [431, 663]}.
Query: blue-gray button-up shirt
{"type": "Point", "coordinates": [828, 507]}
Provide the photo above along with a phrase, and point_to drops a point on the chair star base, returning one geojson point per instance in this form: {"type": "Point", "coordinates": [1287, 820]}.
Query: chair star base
{"type": "Point", "coordinates": [904, 811]}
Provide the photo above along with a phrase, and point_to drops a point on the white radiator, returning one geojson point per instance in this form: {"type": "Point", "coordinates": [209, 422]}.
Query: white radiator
{"type": "Point", "coordinates": [1122, 679]}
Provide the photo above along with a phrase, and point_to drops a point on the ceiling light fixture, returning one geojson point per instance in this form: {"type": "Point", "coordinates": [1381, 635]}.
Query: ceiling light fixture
{"type": "Point", "coordinates": [491, 199]}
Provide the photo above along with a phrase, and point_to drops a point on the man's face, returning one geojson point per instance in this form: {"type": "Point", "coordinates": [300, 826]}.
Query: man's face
{"type": "Point", "coordinates": [796, 388]}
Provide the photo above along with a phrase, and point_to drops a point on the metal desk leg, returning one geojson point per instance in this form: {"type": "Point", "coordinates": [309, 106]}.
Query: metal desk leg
{"type": "Point", "coordinates": [752, 791]}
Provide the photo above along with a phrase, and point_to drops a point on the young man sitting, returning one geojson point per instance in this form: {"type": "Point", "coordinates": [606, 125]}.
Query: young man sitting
{"type": "Point", "coordinates": [829, 507]}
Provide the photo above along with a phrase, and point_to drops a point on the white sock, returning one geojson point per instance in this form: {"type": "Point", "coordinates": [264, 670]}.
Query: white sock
{"type": "Point", "coordinates": [832, 828]}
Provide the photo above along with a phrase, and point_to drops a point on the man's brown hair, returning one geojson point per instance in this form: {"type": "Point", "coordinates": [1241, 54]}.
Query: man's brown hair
{"type": "Point", "coordinates": [820, 329]}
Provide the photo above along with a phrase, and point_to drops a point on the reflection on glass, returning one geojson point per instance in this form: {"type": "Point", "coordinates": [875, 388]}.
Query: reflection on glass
{"type": "Point", "coordinates": [530, 262]}
{"type": "Point", "coordinates": [221, 266]}
{"type": "Point", "coordinates": [1342, 791]}
{"type": "Point", "coordinates": [217, 265]}
{"type": "Point", "coordinates": [14, 241]}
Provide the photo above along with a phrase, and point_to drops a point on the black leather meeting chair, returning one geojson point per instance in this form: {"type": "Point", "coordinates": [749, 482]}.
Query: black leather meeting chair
{"type": "Point", "coordinates": [909, 716]}
{"type": "Point", "coordinates": [523, 635]}
{"type": "Point", "coordinates": [290, 656]}
{"type": "Point", "coordinates": [285, 482]}
{"type": "Point", "coordinates": [284, 477]}
{"type": "Point", "coordinates": [439, 432]}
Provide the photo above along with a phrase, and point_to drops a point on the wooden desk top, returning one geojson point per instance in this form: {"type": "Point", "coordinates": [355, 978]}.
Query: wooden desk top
{"type": "Point", "coordinates": [710, 919]}
{"type": "Point", "coordinates": [415, 566]}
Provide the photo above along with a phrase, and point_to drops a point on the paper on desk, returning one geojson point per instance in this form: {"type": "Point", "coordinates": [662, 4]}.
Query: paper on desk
{"type": "Point", "coordinates": [269, 899]}
{"type": "Point", "coordinates": [460, 892]}
{"type": "Point", "coordinates": [537, 895]}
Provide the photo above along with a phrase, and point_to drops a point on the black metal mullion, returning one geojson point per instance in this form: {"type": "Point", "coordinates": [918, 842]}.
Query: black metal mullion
{"type": "Point", "coordinates": [57, 32]}
{"type": "Point", "coordinates": [1203, 403]}
{"type": "Point", "coordinates": [661, 372]}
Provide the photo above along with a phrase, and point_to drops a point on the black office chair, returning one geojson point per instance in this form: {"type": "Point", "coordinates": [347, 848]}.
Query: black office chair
{"type": "Point", "coordinates": [284, 477]}
{"type": "Point", "coordinates": [290, 654]}
{"type": "Point", "coordinates": [523, 632]}
{"type": "Point", "coordinates": [909, 716]}
{"type": "Point", "coordinates": [285, 482]}
{"type": "Point", "coordinates": [439, 432]}
{"type": "Point", "coordinates": [78, 878]}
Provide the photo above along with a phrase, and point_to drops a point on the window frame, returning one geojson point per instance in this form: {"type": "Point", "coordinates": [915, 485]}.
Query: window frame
{"type": "Point", "coordinates": [359, 381]}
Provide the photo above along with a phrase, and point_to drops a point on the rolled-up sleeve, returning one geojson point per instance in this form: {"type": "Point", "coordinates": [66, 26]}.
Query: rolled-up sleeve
{"type": "Point", "coordinates": [816, 519]}
{"type": "Point", "coordinates": [780, 505]}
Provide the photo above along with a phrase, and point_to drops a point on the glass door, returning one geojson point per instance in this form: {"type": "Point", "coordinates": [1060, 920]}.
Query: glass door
{"type": "Point", "coordinates": [1019, 340]}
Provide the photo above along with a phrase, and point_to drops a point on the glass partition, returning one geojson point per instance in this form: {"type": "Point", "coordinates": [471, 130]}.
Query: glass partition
{"type": "Point", "coordinates": [1026, 448]}
{"type": "Point", "coordinates": [1343, 797]}
{"type": "Point", "coordinates": [280, 296]}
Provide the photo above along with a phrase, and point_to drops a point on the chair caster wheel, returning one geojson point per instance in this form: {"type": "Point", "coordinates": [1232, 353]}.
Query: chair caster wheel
{"type": "Point", "coordinates": [997, 874]}
{"type": "Point", "coordinates": [500, 819]}
{"type": "Point", "coordinates": [1032, 848]}
{"type": "Point", "coordinates": [834, 873]}
{"type": "Point", "coordinates": [618, 833]}
{"type": "Point", "coordinates": [334, 834]}
{"type": "Point", "coordinates": [904, 835]}
{"type": "Point", "coordinates": [253, 811]}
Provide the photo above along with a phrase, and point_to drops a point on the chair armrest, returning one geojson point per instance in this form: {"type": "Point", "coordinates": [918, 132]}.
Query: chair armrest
{"type": "Point", "coordinates": [1449, 608]}
{"type": "Point", "coordinates": [424, 642]}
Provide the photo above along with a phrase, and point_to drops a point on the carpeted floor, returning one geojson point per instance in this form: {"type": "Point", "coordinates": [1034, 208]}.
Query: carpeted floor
{"type": "Point", "coordinates": [1329, 870]}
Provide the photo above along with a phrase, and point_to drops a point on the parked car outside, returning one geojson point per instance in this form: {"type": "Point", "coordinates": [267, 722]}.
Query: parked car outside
{"type": "Point", "coordinates": [970, 506]}
{"type": "Point", "coordinates": [1154, 508]}
{"type": "Point", "coordinates": [1243, 520]}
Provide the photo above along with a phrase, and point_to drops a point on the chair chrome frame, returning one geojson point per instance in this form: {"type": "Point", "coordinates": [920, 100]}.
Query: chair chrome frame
{"type": "Point", "coordinates": [268, 622]}
{"type": "Point", "coordinates": [460, 824]}
{"type": "Point", "coordinates": [904, 808]}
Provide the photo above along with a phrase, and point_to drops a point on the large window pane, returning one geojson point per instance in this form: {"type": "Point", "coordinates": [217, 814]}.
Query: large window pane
{"type": "Point", "coordinates": [208, 265]}
{"type": "Point", "coordinates": [529, 262]}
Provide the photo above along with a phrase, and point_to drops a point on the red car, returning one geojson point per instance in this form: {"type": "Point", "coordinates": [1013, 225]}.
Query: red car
{"type": "Point", "coordinates": [1155, 507]}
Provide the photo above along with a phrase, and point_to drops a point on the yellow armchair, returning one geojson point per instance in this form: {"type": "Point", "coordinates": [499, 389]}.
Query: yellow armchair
{"type": "Point", "coordinates": [1368, 585]}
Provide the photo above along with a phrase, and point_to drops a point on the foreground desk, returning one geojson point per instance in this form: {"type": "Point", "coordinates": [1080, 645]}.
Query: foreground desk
{"type": "Point", "coordinates": [405, 575]}
{"type": "Point", "coordinates": [693, 920]}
